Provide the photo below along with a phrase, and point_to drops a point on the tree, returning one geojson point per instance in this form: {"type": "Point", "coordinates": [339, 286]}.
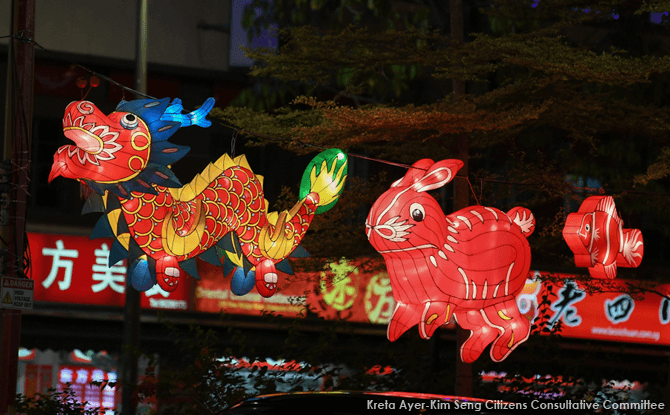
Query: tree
{"type": "Point", "coordinates": [565, 99]}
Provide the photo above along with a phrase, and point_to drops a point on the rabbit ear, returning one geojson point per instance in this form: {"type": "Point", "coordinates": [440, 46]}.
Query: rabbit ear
{"type": "Point", "coordinates": [438, 175]}
{"type": "Point", "coordinates": [416, 172]}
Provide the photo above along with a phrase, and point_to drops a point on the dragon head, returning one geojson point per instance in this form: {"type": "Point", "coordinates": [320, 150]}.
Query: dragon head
{"type": "Point", "coordinates": [126, 150]}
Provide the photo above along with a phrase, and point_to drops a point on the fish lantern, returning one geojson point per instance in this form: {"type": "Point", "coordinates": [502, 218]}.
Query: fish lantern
{"type": "Point", "coordinates": [597, 238]}
{"type": "Point", "coordinates": [123, 161]}
{"type": "Point", "coordinates": [470, 264]}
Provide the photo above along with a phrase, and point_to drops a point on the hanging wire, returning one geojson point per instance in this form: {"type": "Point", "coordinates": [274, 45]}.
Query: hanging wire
{"type": "Point", "coordinates": [232, 143]}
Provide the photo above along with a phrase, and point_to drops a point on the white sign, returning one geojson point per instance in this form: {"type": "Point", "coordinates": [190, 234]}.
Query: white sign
{"type": "Point", "coordinates": [17, 293]}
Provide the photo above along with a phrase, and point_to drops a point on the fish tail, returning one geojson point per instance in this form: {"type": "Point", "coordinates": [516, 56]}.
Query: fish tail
{"type": "Point", "coordinates": [632, 249]}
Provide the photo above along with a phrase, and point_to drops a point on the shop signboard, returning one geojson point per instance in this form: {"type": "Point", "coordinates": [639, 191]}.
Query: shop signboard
{"type": "Point", "coordinates": [610, 315]}
{"type": "Point", "coordinates": [212, 294]}
{"type": "Point", "coordinates": [79, 379]}
{"type": "Point", "coordinates": [74, 270]}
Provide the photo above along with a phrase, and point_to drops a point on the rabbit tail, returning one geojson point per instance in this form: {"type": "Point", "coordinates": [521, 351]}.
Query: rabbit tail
{"type": "Point", "coordinates": [524, 219]}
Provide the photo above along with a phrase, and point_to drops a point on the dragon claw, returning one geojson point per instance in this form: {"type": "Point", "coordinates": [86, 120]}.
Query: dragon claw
{"type": "Point", "coordinates": [167, 273]}
{"type": "Point", "coordinates": [266, 278]}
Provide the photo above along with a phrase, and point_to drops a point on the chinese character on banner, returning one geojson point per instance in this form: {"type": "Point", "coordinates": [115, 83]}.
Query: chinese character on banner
{"type": "Point", "coordinates": [379, 302]}
{"type": "Point", "coordinates": [619, 309]}
{"type": "Point", "coordinates": [113, 277]}
{"type": "Point", "coordinates": [58, 262]}
{"type": "Point", "coordinates": [564, 307]}
{"type": "Point", "coordinates": [342, 291]}
{"type": "Point", "coordinates": [664, 311]}
{"type": "Point", "coordinates": [156, 289]}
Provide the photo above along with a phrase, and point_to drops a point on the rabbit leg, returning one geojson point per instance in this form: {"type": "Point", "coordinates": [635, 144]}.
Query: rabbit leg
{"type": "Point", "coordinates": [482, 334]}
{"type": "Point", "coordinates": [514, 327]}
{"type": "Point", "coordinates": [404, 316]}
{"type": "Point", "coordinates": [435, 314]}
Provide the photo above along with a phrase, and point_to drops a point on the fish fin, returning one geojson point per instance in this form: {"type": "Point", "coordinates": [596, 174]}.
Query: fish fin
{"type": "Point", "coordinates": [608, 206]}
{"type": "Point", "coordinates": [610, 270]}
{"type": "Point", "coordinates": [600, 272]}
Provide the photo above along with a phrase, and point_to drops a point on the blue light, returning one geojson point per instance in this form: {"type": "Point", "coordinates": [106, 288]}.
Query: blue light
{"type": "Point", "coordinates": [657, 18]}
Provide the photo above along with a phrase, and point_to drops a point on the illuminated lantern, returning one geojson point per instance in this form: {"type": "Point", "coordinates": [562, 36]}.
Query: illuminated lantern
{"type": "Point", "coordinates": [471, 264]}
{"type": "Point", "coordinates": [123, 161]}
{"type": "Point", "coordinates": [596, 236]}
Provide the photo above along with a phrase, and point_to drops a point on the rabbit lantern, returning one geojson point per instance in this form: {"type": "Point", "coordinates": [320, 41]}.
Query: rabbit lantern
{"type": "Point", "coordinates": [470, 264]}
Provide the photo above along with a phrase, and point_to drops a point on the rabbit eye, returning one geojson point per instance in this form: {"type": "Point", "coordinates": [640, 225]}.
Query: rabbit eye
{"type": "Point", "coordinates": [417, 212]}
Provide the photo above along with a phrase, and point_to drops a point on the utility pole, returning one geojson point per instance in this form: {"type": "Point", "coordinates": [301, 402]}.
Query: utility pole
{"type": "Point", "coordinates": [17, 149]}
{"type": "Point", "coordinates": [131, 310]}
{"type": "Point", "coordinates": [461, 197]}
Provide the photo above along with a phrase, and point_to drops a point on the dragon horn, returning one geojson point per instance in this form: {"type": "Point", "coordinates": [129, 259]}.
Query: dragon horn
{"type": "Point", "coordinates": [197, 117]}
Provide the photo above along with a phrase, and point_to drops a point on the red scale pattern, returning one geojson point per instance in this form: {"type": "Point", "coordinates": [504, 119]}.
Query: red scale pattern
{"type": "Point", "coordinates": [234, 201]}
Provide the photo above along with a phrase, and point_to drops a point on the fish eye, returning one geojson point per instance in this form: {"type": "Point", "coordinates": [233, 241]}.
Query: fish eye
{"type": "Point", "coordinates": [129, 121]}
{"type": "Point", "coordinates": [417, 212]}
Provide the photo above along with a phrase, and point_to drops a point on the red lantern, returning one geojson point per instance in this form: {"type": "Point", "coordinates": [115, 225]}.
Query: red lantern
{"type": "Point", "coordinates": [596, 236]}
{"type": "Point", "coordinates": [471, 264]}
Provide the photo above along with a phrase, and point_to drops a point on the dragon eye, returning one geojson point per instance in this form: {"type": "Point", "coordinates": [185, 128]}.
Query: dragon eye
{"type": "Point", "coordinates": [417, 212]}
{"type": "Point", "coordinates": [587, 227]}
{"type": "Point", "coordinates": [129, 121]}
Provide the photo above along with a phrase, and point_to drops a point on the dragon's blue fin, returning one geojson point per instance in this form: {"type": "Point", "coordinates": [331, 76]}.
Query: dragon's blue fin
{"type": "Point", "coordinates": [116, 253]}
{"type": "Point", "coordinates": [102, 229]}
{"type": "Point", "coordinates": [94, 203]}
{"type": "Point", "coordinates": [190, 268]}
{"type": "Point", "coordinates": [210, 256]}
{"type": "Point", "coordinates": [284, 267]}
{"type": "Point", "coordinates": [299, 252]}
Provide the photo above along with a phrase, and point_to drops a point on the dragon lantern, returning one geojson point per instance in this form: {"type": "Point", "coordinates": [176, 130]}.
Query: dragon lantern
{"type": "Point", "coordinates": [161, 226]}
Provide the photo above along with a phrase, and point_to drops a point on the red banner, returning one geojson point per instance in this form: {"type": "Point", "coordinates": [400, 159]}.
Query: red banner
{"type": "Point", "coordinates": [610, 316]}
{"type": "Point", "coordinates": [73, 269]}
{"type": "Point", "coordinates": [213, 294]}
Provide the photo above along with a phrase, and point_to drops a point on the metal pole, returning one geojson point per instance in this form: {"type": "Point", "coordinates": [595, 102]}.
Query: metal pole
{"type": "Point", "coordinates": [131, 311]}
{"type": "Point", "coordinates": [461, 197]}
{"type": "Point", "coordinates": [17, 148]}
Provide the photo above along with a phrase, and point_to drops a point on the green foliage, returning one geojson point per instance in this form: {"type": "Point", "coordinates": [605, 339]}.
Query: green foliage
{"type": "Point", "coordinates": [564, 88]}
{"type": "Point", "coordinates": [53, 402]}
